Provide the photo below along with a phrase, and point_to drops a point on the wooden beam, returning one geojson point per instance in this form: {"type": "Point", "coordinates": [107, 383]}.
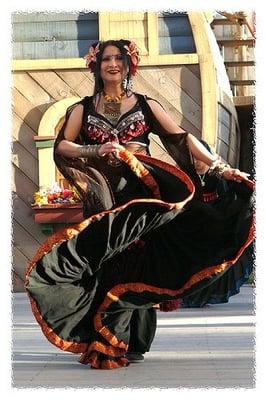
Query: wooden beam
{"type": "Point", "coordinates": [169, 59]}
{"type": "Point", "coordinates": [207, 67]}
{"type": "Point", "coordinates": [41, 138]}
{"type": "Point", "coordinates": [153, 35]}
{"type": "Point", "coordinates": [222, 21]}
{"type": "Point", "coordinates": [46, 166]}
{"type": "Point", "coordinates": [209, 15]}
{"type": "Point", "coordinates": [235, 16]}
{"type": "Point", "coordinates": [239, 63]}
{"type": "Point", "coordinates": [104, 25]}
{"type": "Point", "coordinates": [78, 63]}
{"type": "Point", "coordinates": [236, 42]}
{"type": "Point", "coordinates": [64, 63]}
{"type": "Point", "coordinates": [241, 101]}
{"type": "Point", "coordinates": [238, 82]}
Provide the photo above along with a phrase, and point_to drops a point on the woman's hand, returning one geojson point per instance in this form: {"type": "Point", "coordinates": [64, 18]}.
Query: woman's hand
{"type": "Point", "coordinates": [109, 147]}
{"type": "Point", "coordinates": [233, 174]}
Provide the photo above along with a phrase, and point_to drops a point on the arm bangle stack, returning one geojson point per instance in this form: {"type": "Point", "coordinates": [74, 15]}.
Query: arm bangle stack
{"type": "Point", "coordinates": [217, 168]}
{"type": "Point", "coordinates": [90, 151]}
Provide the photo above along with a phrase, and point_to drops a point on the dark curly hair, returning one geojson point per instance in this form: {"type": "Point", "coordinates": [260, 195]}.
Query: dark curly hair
{"type": "Point", "coordinates": [96, 67]}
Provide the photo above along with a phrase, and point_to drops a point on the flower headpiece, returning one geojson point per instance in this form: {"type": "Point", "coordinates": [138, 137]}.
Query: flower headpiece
{"type": "Point", "coordinates": [91, 57]}
{"type": "Point", "coordinates": [132, 52]}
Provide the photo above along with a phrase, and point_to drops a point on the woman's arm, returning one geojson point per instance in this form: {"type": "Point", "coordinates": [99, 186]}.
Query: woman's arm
{"type": "Point", "coordinates": [68, 148]}
{"type": "Point", "coordinates": [195, 147]}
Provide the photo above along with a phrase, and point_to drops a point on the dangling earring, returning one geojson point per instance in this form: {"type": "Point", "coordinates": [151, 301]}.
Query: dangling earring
{"type": "Point", "coordinates": [124, 84]}
{"type": "Point", "coordinates": [129, 84]}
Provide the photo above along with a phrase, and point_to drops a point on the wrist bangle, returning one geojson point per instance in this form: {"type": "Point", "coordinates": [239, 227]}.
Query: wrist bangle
{"type": "Point", "coordinates": [90, 151]}
{"type": "Point", "coordinates": [217, 168]}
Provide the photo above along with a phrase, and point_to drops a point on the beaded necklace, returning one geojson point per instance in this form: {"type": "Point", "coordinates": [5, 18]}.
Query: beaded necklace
{"type": "Point", "coordinates": [112, 107]}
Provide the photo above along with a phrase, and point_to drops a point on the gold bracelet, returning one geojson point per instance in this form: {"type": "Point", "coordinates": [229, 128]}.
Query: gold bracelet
{"type": "Point", "coordinates": [217, 168]}
{"type": "Point", "coordinates": [90, 151]}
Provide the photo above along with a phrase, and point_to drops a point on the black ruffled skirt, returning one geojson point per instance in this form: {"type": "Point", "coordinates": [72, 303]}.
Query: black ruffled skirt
{"type": "Point", "coordinates": [161, 245]}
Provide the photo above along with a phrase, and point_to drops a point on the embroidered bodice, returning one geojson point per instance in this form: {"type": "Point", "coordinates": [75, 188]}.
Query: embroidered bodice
{"type": "Point", "coordinates": [131, 127]}
{"type": "Point", "coordinates": [99, 176]}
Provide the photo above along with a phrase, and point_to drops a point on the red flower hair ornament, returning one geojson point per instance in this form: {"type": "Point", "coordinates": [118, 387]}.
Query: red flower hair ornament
{"type": "Point", "coordinates": [132, 52]}
{"type": "Point", "coordinates": [91, 57]}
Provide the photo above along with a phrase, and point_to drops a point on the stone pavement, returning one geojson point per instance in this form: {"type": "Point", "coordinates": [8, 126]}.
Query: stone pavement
{"type": "Point", "coordinates": [211, 347]}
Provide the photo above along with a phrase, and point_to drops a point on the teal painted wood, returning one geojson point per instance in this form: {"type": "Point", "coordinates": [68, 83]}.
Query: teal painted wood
{"type": "Point", "coordinates": [44, 144]}
{"type": "Point", "coordinates": [175, 34]}
{"type": "Point", "coordinates": [47, 229]}
{"type": "Point", "coordinates": [61, 35]}
{"type": "Point", "coordinates": [224, 115]}
{"type": "Point", "coordinates": [176, 45]}
{"type": "Point", "coordinates": [174, 26]}
{"type": "Point", "coordinates": [52, 16]}
{"type": "Point", "coordinates": [51, 49]}
{"type": "Point", "coordinates": [224, 132]}
{"type": "Point", "coordinates": [222, 149]}
{"type": "Point", "coordinates": [48, 31]}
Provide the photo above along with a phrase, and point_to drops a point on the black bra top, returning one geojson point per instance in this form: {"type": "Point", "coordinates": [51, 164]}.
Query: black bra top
{"type": "Point", "coordinates": [132, 126]}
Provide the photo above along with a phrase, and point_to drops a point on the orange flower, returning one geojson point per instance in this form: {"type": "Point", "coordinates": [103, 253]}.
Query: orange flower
{"type": "Point", "coordinates": [91, 57]}
{"type": "Point", "coordinates": [133, 53]}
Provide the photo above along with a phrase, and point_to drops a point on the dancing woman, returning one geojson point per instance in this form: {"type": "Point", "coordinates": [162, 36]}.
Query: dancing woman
{"type": "Point", "coordinates": [145, 238]}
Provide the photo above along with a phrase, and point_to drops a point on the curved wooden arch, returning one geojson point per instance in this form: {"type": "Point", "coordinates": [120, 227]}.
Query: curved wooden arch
{"type": "Point", "coordinates": [46, 134]}
{"type": "Point", "coordinates": [51, 116]}
{"type": "Point", "coordinates": [208, 77]}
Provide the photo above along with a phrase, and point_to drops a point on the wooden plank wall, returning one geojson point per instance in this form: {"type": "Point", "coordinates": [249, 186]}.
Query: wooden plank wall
{"type": "Point", "coordinates": [44, 35]}
{"type": "Point", "coordinates": [177, 88]}
{"type": "Point", "coordinates": [132, 25]}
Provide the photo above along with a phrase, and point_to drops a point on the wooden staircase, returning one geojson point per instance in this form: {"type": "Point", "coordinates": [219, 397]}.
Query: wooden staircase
{"type": "Point", "coordinates": [235, 35]}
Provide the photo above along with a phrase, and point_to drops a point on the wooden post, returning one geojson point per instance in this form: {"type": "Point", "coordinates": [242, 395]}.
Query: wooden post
{"type": "Point", "coordinates": [104, 26]}
{"type": "Point", "coordinates": [208, 77]}
{"type": "Point", "coordinates": [153, 39]}
{"type": "Point", "coordinates": [241, 74]}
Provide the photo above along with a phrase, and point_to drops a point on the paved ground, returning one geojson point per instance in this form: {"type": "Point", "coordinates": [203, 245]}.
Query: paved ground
{"type": "Point", "coordinates": [211, 347]}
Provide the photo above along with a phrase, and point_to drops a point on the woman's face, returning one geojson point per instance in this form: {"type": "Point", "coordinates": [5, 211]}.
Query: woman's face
{"type": "Point", "coordinates": [112, 68]}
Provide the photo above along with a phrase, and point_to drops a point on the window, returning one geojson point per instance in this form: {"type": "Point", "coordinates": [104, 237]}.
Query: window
{"type": "Point", "coordinates": [175, 33]}
{"type": "Point", "coordinates": [224, 129]}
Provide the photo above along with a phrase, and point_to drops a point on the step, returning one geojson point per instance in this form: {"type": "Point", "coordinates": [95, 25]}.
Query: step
{"type": "Point", "coordinates": [236, 42]}
{"type": "Point", "coordinates": [239, 82]}
{"type": "Point", "coordinates": [223, 21]}
{"type": "Point", "coordinates": [250, 63]}
{"type": "Point", "coordinates": [244, 101]}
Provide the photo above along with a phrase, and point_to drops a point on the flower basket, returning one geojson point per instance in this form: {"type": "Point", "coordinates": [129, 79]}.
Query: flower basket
{"type": "Point", "coordinates": [56, 205]}
{"type": "Point", "coordinates": [58, 213]}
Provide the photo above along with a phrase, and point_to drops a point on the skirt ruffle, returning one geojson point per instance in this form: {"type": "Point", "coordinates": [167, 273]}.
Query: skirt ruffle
{"type": "Point", "coordinates": [84, 281]}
